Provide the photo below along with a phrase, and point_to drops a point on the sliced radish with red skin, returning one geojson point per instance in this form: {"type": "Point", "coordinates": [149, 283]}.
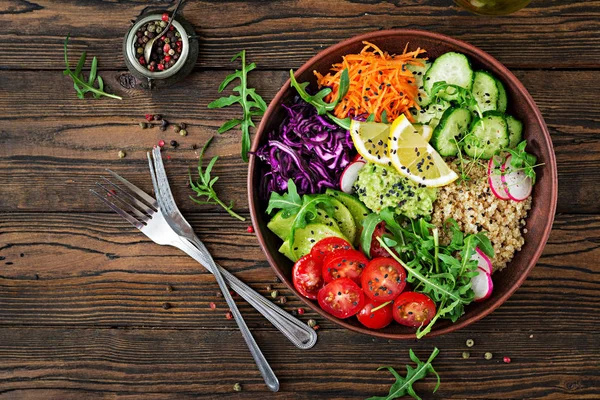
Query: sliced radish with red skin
{"type": "Point", "coordinates": [358, 157]}
{"type": "Point", "coordinates": [350, 175]}
{"type": "Point", "coordinates": [483, 261]}
{"type": "Point", "coordinates": [495, 178]}
{"type": "Point", "coordinates": [517, 185]}
{"type": "Point", "coordinates": [482, 285]}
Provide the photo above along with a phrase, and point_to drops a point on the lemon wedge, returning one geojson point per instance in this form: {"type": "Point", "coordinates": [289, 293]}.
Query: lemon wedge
{"type": "Point", "coordinates": [414, 158]}
{"type": "Point", "coordinates": [425, 131]}
{"type": "Point", "coordinates": [371, 140]}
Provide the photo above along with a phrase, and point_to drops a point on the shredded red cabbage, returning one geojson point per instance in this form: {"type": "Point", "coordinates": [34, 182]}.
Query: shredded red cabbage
{"type": "Point", "coordinates": [308, 148]}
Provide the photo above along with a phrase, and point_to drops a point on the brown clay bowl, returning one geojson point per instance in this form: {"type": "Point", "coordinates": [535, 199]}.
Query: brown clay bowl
{"type": "Point", "coordinates": [521, 105]}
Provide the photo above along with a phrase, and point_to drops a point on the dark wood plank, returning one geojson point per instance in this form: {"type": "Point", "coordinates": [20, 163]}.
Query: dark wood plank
{"type": "Point", "coordinates": [94, 269]}
{"type": "Point", "coordinates": [61, 146]}
{"type": "Point", "coordinates": [169, 364]}
{"type": "Point", "coordinates": [284, 34]}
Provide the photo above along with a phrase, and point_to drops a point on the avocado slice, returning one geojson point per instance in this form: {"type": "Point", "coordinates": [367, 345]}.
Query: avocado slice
{"type": "Point", "coordinates": [358, 210]}
{"type": "Point", "coordinates": [281, 226]}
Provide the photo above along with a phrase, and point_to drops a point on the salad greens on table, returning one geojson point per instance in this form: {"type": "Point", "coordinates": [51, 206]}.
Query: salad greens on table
{"type": "Point", "coordinates": [252, 103]}
{"type": "Point", "coordinates": [353, 224]}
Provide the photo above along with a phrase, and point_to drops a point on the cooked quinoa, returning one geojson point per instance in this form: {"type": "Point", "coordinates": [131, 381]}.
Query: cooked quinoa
{"type": "Point", "coordinates": [473, 205]}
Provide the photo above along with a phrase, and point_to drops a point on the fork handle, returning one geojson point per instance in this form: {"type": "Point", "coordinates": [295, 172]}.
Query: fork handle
{"type": "Point", "coordinates": [300, 334]}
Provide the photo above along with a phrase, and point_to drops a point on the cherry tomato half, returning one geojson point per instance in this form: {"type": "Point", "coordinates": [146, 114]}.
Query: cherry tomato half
{"type": "Point", "coordinates": [378, 319]}
{"type": "Point", "coordinates": [383, 279]}
{"type": "Point", "coordinates": [344, 264]}
{"type": "Point", "coordinates": [413, 309]}
{"type": "Point", "coordinates": [306, 276]}
{"type": "Point", "coordinates": [325, 246]}
{"type": "Point", "coordinates": [341, 298]}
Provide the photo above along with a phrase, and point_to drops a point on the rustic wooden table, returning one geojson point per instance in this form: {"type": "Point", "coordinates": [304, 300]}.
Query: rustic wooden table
{"type": "Point", "coordinates": [82, 292]}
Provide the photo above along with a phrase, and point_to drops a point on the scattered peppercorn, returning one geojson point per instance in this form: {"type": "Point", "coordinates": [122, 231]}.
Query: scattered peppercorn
{"type": "Point", "coordinates": [301, 311]}
{"type": "Point", "coordinates": [506, 360]}
{"type": "Point", "coordinates": [161, 143]}
{"type": "Point", "coordinates": [237, 387]}
{"type": "Point", "coordinates": [149, 117]}
{"type": "Point", "coordinates": [274, 294]}
{"type": "Point", "coordinates": [173, 143]}
{"type": "Point", "coordinates": [488, 356]}
{"type": "Point", "coordinates": [166, 305]}
{"type": "Point", "coordinates": [212, 305]}
{"type": "Point", "coordinates": [250, 229]}
{"type": "Point", "coordinates": [312, 323]}
{"type": "Point", "coordinates": [194, 146]}
{"type": "Point", "coordinates": [282, 300]}
{"type": "Point", "coordinates": [176, 128]}
{"type": "Point", "coordinates": [122, 154]}
{"type": "Point", "coordinates": [470, 343]}
{"type": "Point", "coordinates": [165, 17]}
{"type": "Point", "coordinates": [164, 123]}
{"type": "Point", "coordinates": [228, 315]}
{"type": "Point", "coordinates": [143, 125]}
{"type": "Point", "coordinates": [466, 354]}
{"type": "Point", "coordinates": [169, 288]}
{"type": "Point", "coordinates": [316, 327]}
{"type": "Point", "coordinates": [183, 132]}
{"type": "Point", "coordinates": [157, 117]}
{"type": "Point", "coordinates": [182, 125]}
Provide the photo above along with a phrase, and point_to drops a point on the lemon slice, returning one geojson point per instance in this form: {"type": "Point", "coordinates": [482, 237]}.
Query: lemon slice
{"type": "Point", "coordinates": [425, 131]}
{"type": "Point", "coordinates": [414, 158]}
{"type": "Point", "coordinates": [371, 140]}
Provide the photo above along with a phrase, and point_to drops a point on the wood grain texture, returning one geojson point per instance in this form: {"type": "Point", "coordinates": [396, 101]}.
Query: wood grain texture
{"type": "Point", "coordinates": [284, 34]}
{"type": "Point", "coordinates": [167, 363]}
{"type": "Point", "coordinates": [61, 147]}
{"type": "Point", "coordinates": [111, 275]}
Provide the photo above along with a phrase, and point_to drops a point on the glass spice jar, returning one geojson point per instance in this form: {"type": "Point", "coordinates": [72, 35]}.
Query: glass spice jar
{"type": "Point", "coordinates": [181, 57]}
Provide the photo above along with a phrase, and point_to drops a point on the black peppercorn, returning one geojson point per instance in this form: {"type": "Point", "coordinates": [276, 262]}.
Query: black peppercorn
{"type": "Point", "coordinates": [164, 123]}
{"type": "Point", "coordinates": [182, 125]}
{"type": "Point", "coordinates": [173, 142]}
{"type": "Point", "coordinates": [166, 306]}
{"type": "Point", "coordinates": [157, 117]}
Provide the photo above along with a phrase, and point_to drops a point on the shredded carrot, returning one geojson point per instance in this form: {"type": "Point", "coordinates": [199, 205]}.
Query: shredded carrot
{"type": "Point", "coordinates": [378, 82]}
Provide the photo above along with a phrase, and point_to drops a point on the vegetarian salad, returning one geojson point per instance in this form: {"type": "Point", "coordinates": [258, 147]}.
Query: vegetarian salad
{"type": "Point", "coordinates": [398, 186]}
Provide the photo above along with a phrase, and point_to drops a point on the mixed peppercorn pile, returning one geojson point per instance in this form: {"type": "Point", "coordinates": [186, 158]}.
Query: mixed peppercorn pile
{"type": "Point", "coordinates": [167, 48]}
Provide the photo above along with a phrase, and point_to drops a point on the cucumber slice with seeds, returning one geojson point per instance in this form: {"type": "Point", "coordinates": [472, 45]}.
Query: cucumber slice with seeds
{"type": "Point", "coordinates": [454, 124]}
{"type": "Point", "coordinates": [419, 72]}
{"type": "Point", "coordinates": [515, 131]}
{"type": "Point", "coordinates": [431, 114]}
{"type": "Point", "coordinates": [502, 96]}
{"type": "Point", "coordinates": [485, 91]}
{"type": "Point", "coordinates": [487, 136]}
{"type": "Point", "coordinates": [452, 68]}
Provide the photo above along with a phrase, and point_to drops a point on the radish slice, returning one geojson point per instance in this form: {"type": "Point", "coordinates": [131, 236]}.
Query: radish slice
{"type": "Point", "coordinates": [350, 175]}
{"type": "Point", "coordinates": [483, 261]}
{"type": "Point", "coordinates": [360, 158]}
{"type": "Point", "coordinates": [517, 185]}
{"type": "Point", "coordinates": [482, 285]}
{"type": "Point", "coordinates": [494, 177]}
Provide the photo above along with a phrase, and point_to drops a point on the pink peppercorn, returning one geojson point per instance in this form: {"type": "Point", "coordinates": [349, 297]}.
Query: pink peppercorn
{"type": "Point", "coordinates": [212, 306]}
{"type": "Point", "coordinates": [228, 315]}
{"type": "Point", "coordinates": [300, 311]}
{"type": "Point", "coordinates": [165, 17]}
{"type": "Point", "coordinates": [167, 58]}
{"type": "Point", "coordinates": [166, 47]}
{"type": "Point", "coordinates": [250, 229]}
{"type": "Point", "coordinates": [507, 360]}
{"type": "Point", "coordinates": [161, 143]}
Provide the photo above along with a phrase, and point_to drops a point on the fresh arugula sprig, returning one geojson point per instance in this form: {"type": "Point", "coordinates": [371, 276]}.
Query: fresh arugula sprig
{"type": "Point", "coordinates": [404, 385]}
{"type": "Point", "coordinates": [252, 103]}
{"type": "Point", "coordinates": [433, 269]}
{"type": "Point", "coordinates": [299, 209]}
{"type": "Point", "coordinates": [80, 83]}
{"type": "Point", "coordinates": [318, 99]}
{"type": "Point", "coordinates": [463, 97]}
{"type": "Point", "coordinates": [522, 160]}
{"type": "Point", "coordinates": [204, 185]}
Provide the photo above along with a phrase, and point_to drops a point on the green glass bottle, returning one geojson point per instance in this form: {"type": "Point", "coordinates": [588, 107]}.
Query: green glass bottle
{"type": "Point", "coordinates": [492, 7]}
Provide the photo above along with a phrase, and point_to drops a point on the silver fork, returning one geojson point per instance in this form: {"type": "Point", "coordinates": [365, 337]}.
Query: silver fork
{"type": "Point", "coordinates": [142, 213]}
{"type": "Point", "coordinates": [171, 213]}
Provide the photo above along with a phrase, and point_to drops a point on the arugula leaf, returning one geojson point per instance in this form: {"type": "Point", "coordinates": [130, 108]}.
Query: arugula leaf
{"type": "Point", "coordinates": [318, 100]}
{"type": "Point", "coordinates": [404, 385]}
{"type": "Point", "coordinates": [80, 83]}
{"type": "Point", "coordinates": [300, 210]}
{"type": "Point", "coordinates": [463, 97]}
{"type": "Point", "coordinates": [252, 103]}
{"type": "Point", "coordinates": [204, 185]}
{"type": "Point", "coordinates": [523, 161]}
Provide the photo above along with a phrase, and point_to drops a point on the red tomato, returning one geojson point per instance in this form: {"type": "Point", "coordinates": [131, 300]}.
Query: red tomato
{"type": "Point", "coordinates": [306, 276]}
{"type": "Point", "coordinates": [344, 264]}
{"type": "Point", "coordinates": [325, 246]}
{"type": "Point", "coordinates": [383, 279]}
{"type": "Point", "coordinates": [378, 319]}
{"type": "Point", "coordinates": [341, 298]}
{"type": "Point", "coordinates": [376, 249]}
{"type": "Point", "coordinates": [413, 309]}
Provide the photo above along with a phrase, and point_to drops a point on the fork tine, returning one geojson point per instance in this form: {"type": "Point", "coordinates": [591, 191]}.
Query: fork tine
{"type": "Point", "coordinates": [159, 198]}
{"type": "Point", "coordinates": [119, 211]}
{"type": "Point", "coordinates": [161, 177]}
{"type": "Point", "coordinates": [138, 203]}
{"type": "Point", "coordinates": [135, 189]}
{"type": "Point", "coordinates": [137, 212]}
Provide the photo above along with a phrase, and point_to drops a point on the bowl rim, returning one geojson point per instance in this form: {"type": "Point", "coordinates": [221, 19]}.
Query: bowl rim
{"type": "Point", "coordinates": [550, 165]}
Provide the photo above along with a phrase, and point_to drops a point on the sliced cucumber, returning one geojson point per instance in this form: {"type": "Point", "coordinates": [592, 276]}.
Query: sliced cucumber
{"type": "Point", "coordinates": [431, 114]}
{"type": "Point", "coordinates": [502, 96]}
{"type": "Point", "coordinates": [487, 136]}
{"type": "Point", "coordinates": [305, 238]}
{"type": "Point", "coordinates": [452, 68]}
{"type": "Point", "coordinates": [344, 219]}
{"type": "Point", "coordinates": [453, 125]}
{"type": "Point", "coordinates": [356, 207]}
{"type": "Point", "coordinates": [515, 131]}
{"type": "Point", "coordinates": [419, 72]}
{"type": "Point", "coordinates": [282, 226]}
{"type": "Point", "coordinates": [485, 91]}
